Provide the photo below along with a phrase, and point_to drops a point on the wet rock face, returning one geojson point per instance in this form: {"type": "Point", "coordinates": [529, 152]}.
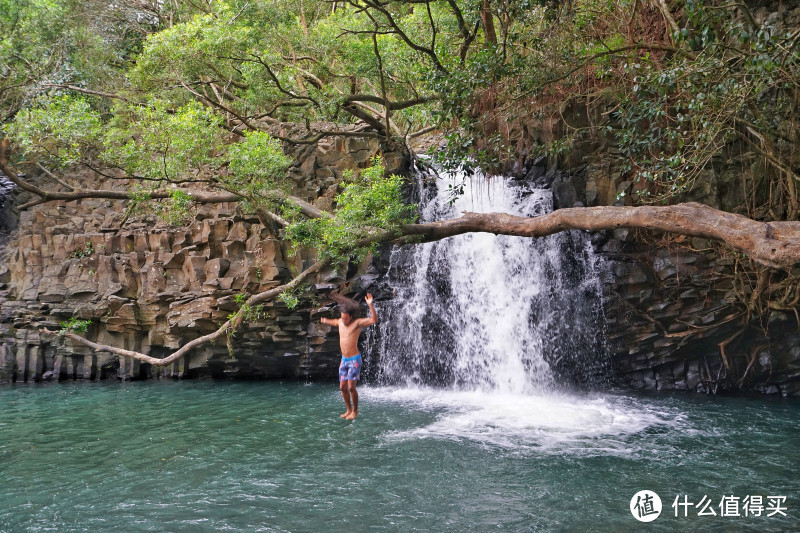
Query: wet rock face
{"type": "Point", "coordinates": [670, 309]}
{"type": "Point", "coordinates": [674, 322]}
{"type": "Point", "coordinates": [152, 288]}
{"type": "Point", "coordinates": [673, 318]}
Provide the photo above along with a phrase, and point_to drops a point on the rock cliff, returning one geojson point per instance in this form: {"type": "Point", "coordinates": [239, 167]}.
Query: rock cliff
{"type": "Point", "coordinates": [152, 287]}
{"type": "Point", "coordinates": [680, 312]}
{"type": "Point", "coordinates": [675, 316]}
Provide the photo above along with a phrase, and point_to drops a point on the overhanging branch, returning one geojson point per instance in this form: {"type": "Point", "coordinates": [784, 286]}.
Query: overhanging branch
{"type": "Point", "coordinates": [45, 196]}
{"type": "Point", "coordinates": [774, 244]}
{"type": "Point", "coordinates": [393, 106]}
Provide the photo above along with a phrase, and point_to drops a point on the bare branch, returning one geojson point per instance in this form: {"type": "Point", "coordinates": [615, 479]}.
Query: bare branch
{"type": "Point", "coordinates": [306, 208]}
{"type": "Point", "coordinates": [394, 106]}
{"type": "Point", "coordinates": [91, 92]}
{"type": "Point", "coordinates": [78, 194]}
{"type": "Point", "coordinates": [220, 105]}
{"type": "Point", "coordinates": [380, 7]}
{"type": "Point", "coordinates": [55, 178]}
{"type": "Point", "coordinates": [423, 131]}
{"type": "Point", "coordinates": [275, 80]}
{"type": "Point", "coordinates": [233, 323]}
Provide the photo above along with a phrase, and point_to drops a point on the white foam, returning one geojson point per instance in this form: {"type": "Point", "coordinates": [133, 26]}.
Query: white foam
{"type": "Point", "coordinates": [553, 423]}
{"type": "Point", "coordinates": [487, 313]}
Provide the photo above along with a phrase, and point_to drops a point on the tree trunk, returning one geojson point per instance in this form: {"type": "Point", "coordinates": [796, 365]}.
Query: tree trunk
{"type": "Point", "coordinates": [488, 22]}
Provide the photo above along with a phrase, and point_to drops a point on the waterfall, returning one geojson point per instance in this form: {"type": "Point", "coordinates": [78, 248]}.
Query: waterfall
{"type": "Point", "coordinates": [482, 312]}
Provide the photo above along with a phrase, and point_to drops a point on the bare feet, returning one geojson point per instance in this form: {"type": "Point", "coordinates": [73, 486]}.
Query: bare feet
{"type": "Point", "coordinates": [345, 415]}
{"type": "Point", "coordinates": [352, 415]}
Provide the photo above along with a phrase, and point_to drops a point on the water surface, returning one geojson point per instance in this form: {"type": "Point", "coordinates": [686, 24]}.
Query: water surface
{"type": "Point", "coordinates": [270, 456]}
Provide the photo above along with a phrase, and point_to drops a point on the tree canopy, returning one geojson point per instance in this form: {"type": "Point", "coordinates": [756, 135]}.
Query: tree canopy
{"type": "Point", "coordinates": [158, 89]}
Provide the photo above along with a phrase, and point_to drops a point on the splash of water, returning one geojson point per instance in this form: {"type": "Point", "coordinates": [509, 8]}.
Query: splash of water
{"type": "Point", "coordinates": [554, 423]}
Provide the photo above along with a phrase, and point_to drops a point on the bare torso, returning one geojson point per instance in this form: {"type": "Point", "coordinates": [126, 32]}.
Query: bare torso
{"type": "Point", "coordinates": [348, 337]}
{"type": "Point", "coordinates": [350, 329]}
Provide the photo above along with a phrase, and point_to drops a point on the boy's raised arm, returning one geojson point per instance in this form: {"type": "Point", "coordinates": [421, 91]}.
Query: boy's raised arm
{"type": "Point", "coordinates": [373, 315]}
{"type": "Point", "coordinates": [329, 321]}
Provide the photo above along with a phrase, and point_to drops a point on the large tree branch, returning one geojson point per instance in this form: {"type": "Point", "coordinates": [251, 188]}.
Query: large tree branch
{"type": "Point", "coordinates": [45, 196]}
{"type": "Point", "coordinates": [373, 121]}
{"type": "Point", "coordinates": [775, 244]}
{"type": "Point", "coordinates": [308, 210]}
{"type": "Point", "coordinates": [79, 194]}
{"type": "Point", "coordinates": [319, 135]}
{"type": "Point", "coordinates": [394, 106]}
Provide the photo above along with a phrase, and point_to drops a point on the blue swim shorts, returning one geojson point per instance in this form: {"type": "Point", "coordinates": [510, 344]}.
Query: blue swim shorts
{"type": "Point", "coordinates": [350, 368]}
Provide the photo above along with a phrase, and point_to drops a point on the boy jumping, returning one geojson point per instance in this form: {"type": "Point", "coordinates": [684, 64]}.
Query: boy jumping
{"type": "Point", "coordinates": [349, 330]}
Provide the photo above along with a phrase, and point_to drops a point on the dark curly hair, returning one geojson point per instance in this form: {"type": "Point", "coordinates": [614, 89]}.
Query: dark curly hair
{"type": "Point", "coordinates": [346, 305]}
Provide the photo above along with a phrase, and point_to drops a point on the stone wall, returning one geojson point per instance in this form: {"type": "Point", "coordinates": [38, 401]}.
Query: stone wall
{"type": "Point", "coordinates": [675, 320]}
{"type": "Point", "coordinates": [152, 288]}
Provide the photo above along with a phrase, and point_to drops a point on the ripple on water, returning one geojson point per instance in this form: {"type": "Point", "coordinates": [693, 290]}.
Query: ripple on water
{"type": "Point", "coordinates": [554, 423]}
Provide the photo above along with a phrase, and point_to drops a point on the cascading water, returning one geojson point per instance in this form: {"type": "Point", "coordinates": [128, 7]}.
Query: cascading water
{"type": "Point", "coordinates": [483, 330]}
{"type": "Point", "coordinates": [486, 312]}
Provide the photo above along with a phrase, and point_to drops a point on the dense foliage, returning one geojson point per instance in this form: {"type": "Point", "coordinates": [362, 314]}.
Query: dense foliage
{"type": "Point", "coordinates": [369, 203]}
{"type": "Point", "coordinates": [173, 93]}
